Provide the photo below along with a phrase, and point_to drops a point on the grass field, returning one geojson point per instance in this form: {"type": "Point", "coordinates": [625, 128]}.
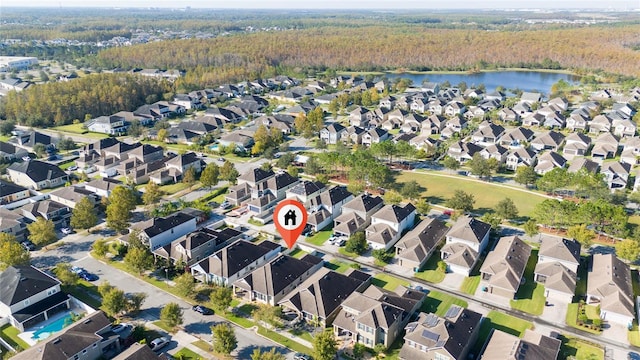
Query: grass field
{"type": "Point", "coordinates": [298, 253]}
{"type": "Point", "coordinates": [283, 340]}
{"type": "Point", "coordinates": [388, 282]}
{"type": "Point", "coordinates": [487, 194]}
{"type": "Point", "coordinates": [79, 130]}
{"type": "Point", "coordinates": [572, 319]}
{"type": "Point", "coordinates": [438, 303]}
{"type": "Point", "coordinates": [530, 295]}
{"type": "Point", "coordinates": [579, 350]}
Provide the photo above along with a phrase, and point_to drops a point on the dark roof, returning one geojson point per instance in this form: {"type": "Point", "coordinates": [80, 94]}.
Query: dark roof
{"type": "Point", "coordinates": [138, 351]}
{"type": "Point", "coordinates": [281, 180]}
{"type": "Point", "coordinates": [279, 273]}
{"type": "Point", "coordinates": [38, 170]}
{"type": "Point", "coordinates": [7, 188]}
{"type": "Point", "coordinates": [18, 283]}
{"type": "Point", "coordinates": [365, 202]}
{"type": "Point", "coordinates": [359, 275]}
{"type": "Point", "coordinates": [7, 148]}
{"type": "Point", "coordinates": [102, 144]}
{"type": "Point", "coordinates": [307, 187]}
{"type": "Point", "coordinates": [42, 305]}
{"type": "Point", "coordinates": [460, 331]}
{"type": "Point", "coordinates": [335, 195]}
{"type": "Point", "coordinates": [161, 225]}
{"type": "Point", "coordinates": [256, 175]}
{"type": "Point", "coordinates": [238, 256]}
{"type": "Point", "coordinates": [197, 126]}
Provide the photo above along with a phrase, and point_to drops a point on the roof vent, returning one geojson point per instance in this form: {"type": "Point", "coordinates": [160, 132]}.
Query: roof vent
{"type": "Point", "coordinates": [57, 341]}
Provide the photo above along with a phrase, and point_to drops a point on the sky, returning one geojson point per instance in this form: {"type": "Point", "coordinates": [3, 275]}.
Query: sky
{"type": "Point", "coordinates": [333, 4]}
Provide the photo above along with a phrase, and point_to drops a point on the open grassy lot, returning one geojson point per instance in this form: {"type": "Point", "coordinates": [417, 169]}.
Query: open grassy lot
{"type": "Point", "coordinates": [438, 303]}
{"type": "Point", "coordinates": [388, 282]}
{"type": "Point", "coordinates": [530, 295]}
{"type": "Point", "coordinates": [79, 130]}
{"type": "Point", "coordinates": [503, 322]}
{"type": "Point", "coordinates": [487, 194]}
{"type": "Point", "coordinates": [280, 339]}
{"type": "Point", "coordinates": [580, 350]}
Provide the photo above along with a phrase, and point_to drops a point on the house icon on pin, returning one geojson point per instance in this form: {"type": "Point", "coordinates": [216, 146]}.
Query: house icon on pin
{"type": "Point", "coordinates": [290, 216]}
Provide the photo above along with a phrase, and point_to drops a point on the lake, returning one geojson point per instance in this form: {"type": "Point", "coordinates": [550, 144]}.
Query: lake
{"type": "Point", "coordinates": [536, 81]}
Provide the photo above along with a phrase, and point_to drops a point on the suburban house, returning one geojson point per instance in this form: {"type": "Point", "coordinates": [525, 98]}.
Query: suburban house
{"type": "Point", "coordinates": [377, 316]}
{"type": "Point", "coordinates": [307, 192]}
{"type": "Point", "coordinates": [263, 201]}
{"type": "Point", "coordinates": [466, 239]}
{"type": "Point", "coordinates": [90, 338]}
{"type": "Point", "coordinates": [10, 192]}
{"type": "Point", "coordinates": [356, 214]}
{"type": "Point", "coordinates": [576, 144]}
{"type": "Point", "coordinates": [158, 232]}
{"type": "Point", "coordinates": [503, 269]}
{"type": "Point", "coordinates": [251, 184]}
{"type": "Point", "coordinates": [583, 164]}
{"type": "Point", "coordinates": [616, 174]}
{"type": "Point", "coordinates": [332, 133]}
{"type": "Point", "coordinates": [375, 136]}
{"type": "Point", "coordinates": [11, 152]}
{"type": "Point", "coordinates": [517, 137]}
{"type": "Point", "coordinates": [13, 224]}
{"type": "Point", "coordinates": [112, 125]}
{"type": "Point", "coordinates": [549, 161]}
{"type": "Point", "coordinates": [37, 175]}
{"type": "Point", "coordinates": [271, 282]}
{"type": "Point", "coordinates": [532, 346]}
{"type": "Point", "coordinates": [388, 225]}
{"type": "Point", "coordinates": [241, 140]}
{"type": "Point", "coordinates": [463, 151]}
{"type": "Point", "coordinates": [58, 213]}
{"type": "Point", "coordinates": [520, 157]}
{"type": "Point", "coordinates": [175, 168]}
{"type": "Point", "coordinates": [414, 249]}
{"type": "Point", "coordinates": [102, 187]}
{"type": "Point", "coordinates": [558, 261]}
{"type": "Point", "coordinates": [609, 286]}
{"type": "Point", "coordinates": [487, 133]}
{"type": "Point", "coordinates": [28, 139]}
{"type": "Point", "coordinates": [631, 151]}
{"type": "Point", "coordinates": [319, 297]}
{"type": "Point", "coordinates": [330, 207]}
{"type": "Point", "coordinates": [197, 245]}
{"type": "Point", "coordinates": [71, 195]}
{"type": "Point", "coordinates": [138, 351]}
{"type": "Point", "coordinates": [448, 337]}
{"type": "Point", "coordinates": [29, 296]}
{"type": "Point", "coordinates": [234, 261]}
{"type": "Point", "coordinates": [551, 140]}
{"type": "Point", "coordinates": [605, 146]}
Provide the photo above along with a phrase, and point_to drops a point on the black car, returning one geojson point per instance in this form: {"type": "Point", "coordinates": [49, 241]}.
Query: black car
{"type": "Point", "coordinates": [85, 275]}
{"type": "Point", "coordinates": [202, 310]}
{"type": "Point", "coordinates": [28, 245]}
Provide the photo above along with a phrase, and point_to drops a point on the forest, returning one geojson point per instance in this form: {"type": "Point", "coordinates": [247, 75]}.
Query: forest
{"type": "Point", "coordinates": [60, 103]}
{"type": "Point", "coordinates": [380, 48]}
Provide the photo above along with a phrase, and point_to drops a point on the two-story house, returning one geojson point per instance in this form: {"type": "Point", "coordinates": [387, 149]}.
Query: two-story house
{"type": "Point", "coordinates": [270, 283]}
{"type": "Point", "coordinates": [10, 192]}
{"type": "Point", "coordinates": [234, 261]}
{"type": "Point", "coordinates": [503, 269]}
{"type": "Point", "coordinates": [558, 261]}
{"type": "Point", "coordinates": [329, 208]}
{"type": "Point", "coordinates": [307, 192]}
{"type": "Point", "coordinates": [448, 337]}
{"type": "Point", "coordinates": [466, 239]}
{"type": "Point", "coordinates": [609, 286]}
{"type": "Point", "coordinates": [13, 223]}
{"type": "Point", "coordinates": [11, 152]}
{"type": "Point", "coordinates": [532, 346]}
{"type": "Point", "coordinates": [29, 296]}
{"type": "Point", "coordinates": [356, 214]}
{"type": "Point", "coordinates": [37, 175]}
{"type": "Point", "coordinates": [158, 232]}
{"type": "Point", "coordinates": [112, 125]}
{"type": "Point", "coordinates": [197, 245]}
{"type": "Point", "coordinates": [388, 225]}
{"type": "Point", "coordinates": [331, 134]}
{"type": "Point", "coordinates": [414, 249]}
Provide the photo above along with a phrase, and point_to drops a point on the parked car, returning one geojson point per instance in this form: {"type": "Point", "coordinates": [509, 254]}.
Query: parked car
{"type": "Point", "coordinates": [28, 245]}
{"type": "Point", "coordinates": [66, 231]}
{"type": "Point", "coordinates": [301, 356]}
{"type": "Point", "coordinates": [118, 328]}
{"type": "Point", "coordinates": [72, 168]}
{"type": "Point", "coordinates": [77, 270]}
{"type": "Point", "coordinates": [85, 275]}
{"type": "Point", "coordinates": [340, 242]}
{"type": "Point", "coordinates": [159, 343]}
{"type": "Point", "coordinates": [202, 310]}
{"type": "Point", "coordinates": [26, 158]}
{"type": "Point", "coordinates": [225, 205]}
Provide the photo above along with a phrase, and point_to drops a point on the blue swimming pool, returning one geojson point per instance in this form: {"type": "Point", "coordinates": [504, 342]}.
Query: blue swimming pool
{"type": "Point", "coordinates": [55, 326]}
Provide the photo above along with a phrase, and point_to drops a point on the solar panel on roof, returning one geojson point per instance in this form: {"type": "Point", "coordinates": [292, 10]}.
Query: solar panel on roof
{"type": "Point", "coordinates": [430, 335]}
{"type": "Point", "coordinates": [431, 320]}
{"type": "Point", "coordinates": [453, 311]}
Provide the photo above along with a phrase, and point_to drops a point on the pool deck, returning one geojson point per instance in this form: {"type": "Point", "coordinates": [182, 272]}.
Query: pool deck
{"type": "Point", "coordinates": [27, 335]}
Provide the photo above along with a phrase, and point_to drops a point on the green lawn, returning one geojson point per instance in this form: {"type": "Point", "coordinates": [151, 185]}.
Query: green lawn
{"type": "Point", "coordinates": [388, 282]}
{"type": "Point", "coordinates": [85, 292]}
{"type": "Point", "coordinates": [164, 326]}
{"type": "Point", "coordinates": [173, 188]}
{"type": "Point", "coordinates": [283, 340]}
{"type": "Point", "coordinates": [496, 320]}
{"type": "Point", "coordinates": [201, 344]}
{"type": "Point", "coordinates": [298, 253]}
{"type": "Point", "coordinates": [634, 335]}
{"type": "Point", "coordinates": [572, 319]}
{"type": "Point", "coordinates": [305, 335]}
{"type": "Point", "coordinates": [320, 237]}
{"type": "Point", "coordinates": [530, 295]}
{"type": "Point", "coordinates": [338, 266]}
{"type": "Point", "coordinates": [343, 251]}
{"type": "Point", "coordinates": [486, 194]}
{"type": "Point", "coordinates": [438, 303]}
{"type": "Point", "coordinates": [72, 128]}
{"type": "Point", "coordinates": [10, 335]}
{"type": "Point", "coordinates": [580, 350]}
{"type": "Point", "coordinates": [470, 284]}
{"type": "Point", "coordinates": [176, 147]}
{"type": "Point", "coordinates": [430, 272]}
{"type": "Point", "coordinates": [186, 354]}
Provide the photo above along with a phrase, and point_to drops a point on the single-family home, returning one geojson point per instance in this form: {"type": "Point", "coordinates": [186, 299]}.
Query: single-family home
{"type": "Point", "coordinates": [600, 124]}
{"type": "Point", "coordinates": [466, 239]}
{"type": "Point", "coordinates": [533, 119]}
{"type": "Point", "coordinates": [356, 214]}
{"type": "Point", "coordinates": [609, 286]}
{"type": "Point", "coordinates": [329, 207]}
{"type": "Point", "coordinates": [494, 151]}
{"type": "Point", "coordinates": [517, 137]}
{"type": "Point", "coordinates": [388, 225]}
{"type": "Point", "coordinates": [583, 164]}
{"type": "Point", "coordinates": [10, 192]}
{"type": "Point", "coordinates": [30, 296]}
{"type": "Point", "coordinates": [576, 144]}
{"type": "Point", "coordinates": [624, 127]}
{"type": "Point", "coordinates": [454, 108]}
{"type": "Point", "coordinates": [234, 262]}
{"type": "Point", "coordinates": [375, 136]}
{"type": "Point", "coordinates": [158, 232]}
{"type": "Point", "coordinates": [508, 115]}
{"type": "Point", "coordinates": [549, 161]}
{"type": "Point", "coordinates": [197, 245]}
{"type": "Point", "coordinates": [28, 140]}
{"type": "Point", "coordinates": [558, 261]}
{"type": "Point", "coordinates": [377, 316]}
{"type": "Point", "coordinates": [242, 141]}
{"type": "Point", "coordinates": [71, 195]}
{"type": "Point", "coordinates": [449, 337]}
{"type": "Point", "coordinates": [578, 122]}
{"type": "Point", "coordinates": [520, 157]}
{"type": "Point", "coordinates": [10, 152]}
{"type": "Point", "coordinates": [112, 125]}
{"type": "Point", "coordinates": [463, 151]}
{"type": "Point", "coordinates": [605, 146]}
{"type": "Point", "coordinates": [58, 213]}
{"type": "Point", "coordinates": [319, 297]}
{"type": "Point", "coordinates": [270, 283]}
{"type": "Point", "coordinates": [416, 247]}
{"type": "Point", "coordinates": [361, 116]}
{"type": "Point", "coordinates": [332, 133]}
{"type": "Point", "coordinates": [37, 175]}
{"type": "Point", "coordinates": [532, 346]}
{"type": "Point", "coordinates": [551, 140]}
{"type": "Point", "coordinates": [616, 174]}
{"type": "Point", "coordinates": [307, 192]}
{"type": "Point", "coordinates": [488, 133]}
{"type": "Point", "coordinates": [502, 271]}
{"type": "Point", "coordinates": [13, 223]}
{"type": "Point", "coordinates": [530, 97]}
{"type": "Point", "coordinates": [102, 187]}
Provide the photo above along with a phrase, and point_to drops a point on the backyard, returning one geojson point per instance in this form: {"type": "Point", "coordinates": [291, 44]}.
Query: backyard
{"type": "Point", "coordinates": [441, 187]}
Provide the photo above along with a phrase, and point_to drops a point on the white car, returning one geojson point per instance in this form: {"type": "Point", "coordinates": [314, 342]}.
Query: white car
{"type": "Point", "coordinates": [77, 269]}
{"type": "Point", "coordinates": [120, 327]}
{"type": "Point", "coordinates": [72, 168]}
{"type": "Point", "coordinates": [66, 231]}
{"type": "Point", "coordinates": [159, 343]}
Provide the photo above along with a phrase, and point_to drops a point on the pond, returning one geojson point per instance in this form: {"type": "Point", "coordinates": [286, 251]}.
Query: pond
{"type": "Point", "coordinates": [536, 81]}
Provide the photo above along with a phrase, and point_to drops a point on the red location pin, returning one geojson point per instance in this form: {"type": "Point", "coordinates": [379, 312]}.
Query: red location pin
{"type": "Point", "coordinates": [290, 218]}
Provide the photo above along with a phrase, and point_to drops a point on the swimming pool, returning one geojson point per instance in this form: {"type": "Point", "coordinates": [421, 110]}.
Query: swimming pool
{"type": "Point", "coordinates": [55, 326]}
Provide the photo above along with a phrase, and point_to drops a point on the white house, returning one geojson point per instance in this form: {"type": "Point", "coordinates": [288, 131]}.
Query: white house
{"type": "Point", "coordinates": [388, 224]}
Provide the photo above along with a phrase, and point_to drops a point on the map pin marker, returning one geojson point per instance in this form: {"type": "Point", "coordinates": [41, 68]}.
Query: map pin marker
{"type": "Point", "coordinates": [290, 218]}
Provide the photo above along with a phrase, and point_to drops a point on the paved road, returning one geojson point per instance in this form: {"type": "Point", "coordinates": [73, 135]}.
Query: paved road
{"type": "Point", "coordinates": [75, 250]}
